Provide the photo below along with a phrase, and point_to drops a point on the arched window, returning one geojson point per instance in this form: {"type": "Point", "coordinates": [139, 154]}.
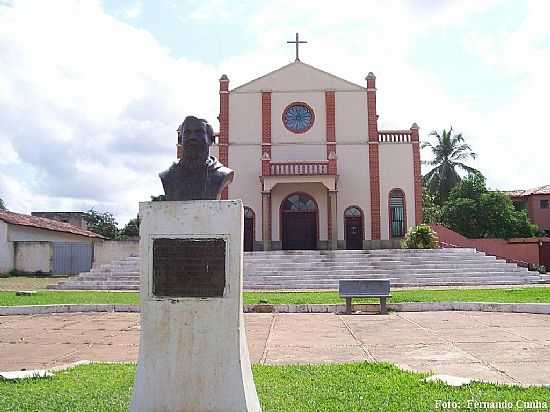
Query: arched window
{"type": "Point", "coordinates": [299, 202]}
{"type": "Point", "coordinates": [397, 213]}
{"type": "Point", "coordinates": [353, 211]}
{"type": "Point", "coordinates": [248, 213]}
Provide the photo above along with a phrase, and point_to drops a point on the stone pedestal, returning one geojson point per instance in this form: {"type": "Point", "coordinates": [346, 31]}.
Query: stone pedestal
{"type": "Point", "coordinates": [193, 354]}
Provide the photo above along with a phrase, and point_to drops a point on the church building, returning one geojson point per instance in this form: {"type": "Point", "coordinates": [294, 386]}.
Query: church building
{"type": "Point", "coordinates": [311, 166]}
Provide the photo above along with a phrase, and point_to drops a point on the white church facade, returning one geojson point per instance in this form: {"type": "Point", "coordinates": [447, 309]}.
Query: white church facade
{"type": "Point", "coordinates": [312, 167]}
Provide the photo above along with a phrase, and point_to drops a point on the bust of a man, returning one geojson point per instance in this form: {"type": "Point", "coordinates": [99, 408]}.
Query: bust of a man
{"type": "Point", "coordinates": [197, 175]}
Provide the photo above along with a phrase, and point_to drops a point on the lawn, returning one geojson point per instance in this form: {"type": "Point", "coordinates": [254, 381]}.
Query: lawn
{"type": "Point", "coordinates": [337, 387]}
{"type": "Point", "coordinates": [512, 295]}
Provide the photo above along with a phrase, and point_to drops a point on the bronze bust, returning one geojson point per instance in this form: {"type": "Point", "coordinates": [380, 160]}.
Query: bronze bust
{"type": "Point", "coordinates": [197, 175]}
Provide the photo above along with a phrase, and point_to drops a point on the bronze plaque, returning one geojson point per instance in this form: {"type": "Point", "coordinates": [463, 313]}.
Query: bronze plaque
{"type": "Point", "coordinates": [188, 267]}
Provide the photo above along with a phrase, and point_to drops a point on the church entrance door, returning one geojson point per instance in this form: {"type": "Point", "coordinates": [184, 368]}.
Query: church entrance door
{"type": "Point", "coordinates": [248, 229]}
{"type": "Point", "coordinates": [353, 226]}
{"type": "Point", "coordinates": [299, 217]}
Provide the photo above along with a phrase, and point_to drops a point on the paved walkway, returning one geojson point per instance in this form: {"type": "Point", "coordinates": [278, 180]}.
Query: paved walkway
{"type": "Point", "coordinates": [495, 347]}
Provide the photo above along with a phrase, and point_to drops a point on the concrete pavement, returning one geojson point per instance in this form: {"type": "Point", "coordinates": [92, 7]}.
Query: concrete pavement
{"type": "Point", "coordinates": [495, 347]}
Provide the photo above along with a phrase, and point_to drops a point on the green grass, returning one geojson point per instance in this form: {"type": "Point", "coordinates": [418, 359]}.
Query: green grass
{"type": "Point", "coordinates": [350, 387]}
{"type": "Point", "coordinates": [43, 297]}
{"type": "Point", "coordinates": [512, 295]}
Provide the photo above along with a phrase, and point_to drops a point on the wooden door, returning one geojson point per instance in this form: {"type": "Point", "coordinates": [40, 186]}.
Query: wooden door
{"type": "Point", "coordinates": [544, 253]}
{"type": "Point", "coordinates": [248, 234]}
{"type": "Point", "coordinates": [354, 232]}
{"type": "Point", "coordinates": [299, 230]}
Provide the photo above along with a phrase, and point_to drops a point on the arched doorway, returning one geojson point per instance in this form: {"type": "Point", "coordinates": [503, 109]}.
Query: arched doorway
{"type": "Point", "coordinates": [353, 227]}
{"type": "Point", "coordinates": [248, 229]}
{"type": "Point", "coordinates": [398, 215]}
{"type": "Point", "coordinates": [299, 221]}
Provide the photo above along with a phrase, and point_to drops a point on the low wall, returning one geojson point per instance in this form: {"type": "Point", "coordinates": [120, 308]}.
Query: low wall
{"type": "Point", "coordinates": [6, 249]}
{"type": "Point", "coordinates": [521, 251]}
{"type": "Point", "coordinates": [105, 251]}
{"type": "Point", "coordinates": [32, 257]}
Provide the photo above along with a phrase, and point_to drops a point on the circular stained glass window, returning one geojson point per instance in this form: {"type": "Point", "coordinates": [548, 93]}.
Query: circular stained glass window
{"type": "Point", "coordinates": [298, 117]}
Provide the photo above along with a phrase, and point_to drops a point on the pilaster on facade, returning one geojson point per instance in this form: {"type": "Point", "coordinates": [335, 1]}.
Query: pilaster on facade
{"type": "Point", "coordinates": [374, 162]}
{"type": "Point", "coordinates": [333, 219]}
{"type": "Point", "coordinates": [223, 140]}
{"type": "Point", "coordinates": [330, 105]}
{"type": "Point", "coordinates": [266, 220]}
{"type": "Point", "coordinates": [266, 133]}
{"type": "Point", "coordinates": [415, 140]}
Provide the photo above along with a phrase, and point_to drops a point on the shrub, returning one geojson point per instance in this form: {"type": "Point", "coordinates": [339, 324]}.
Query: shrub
{"type": "Point", "coordinates": [420, 237]}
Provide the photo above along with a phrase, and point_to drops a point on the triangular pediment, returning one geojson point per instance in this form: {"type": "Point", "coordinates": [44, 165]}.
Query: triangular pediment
{"type": "Point", "coordinates": [297, 76]}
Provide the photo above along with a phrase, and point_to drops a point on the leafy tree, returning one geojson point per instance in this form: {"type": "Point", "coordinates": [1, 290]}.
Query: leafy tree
{"type": "Point", "coordinates": [431, 211]}
{"type": "Point", "coordinates": [449, 153]}
{"type": "Point", "coordinates": [2, 205]}
{"type": "Point", "coordinates": [102, 223]}
{"type": "Point", "coordinates": [475, 212]}
{"type": "Point", "coordinates": [131, 229]}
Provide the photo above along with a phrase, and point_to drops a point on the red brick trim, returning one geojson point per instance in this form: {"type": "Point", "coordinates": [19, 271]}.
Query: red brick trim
{"type": "Point", "coordinates": [266, 133]}
{"type": "Point", "coordinates": [223, 141]}
{"type": "Point", "coordinates": [374, 162]}
{"type": "Point", "coordinates": [417, 174]}
{"type": "Point", "coordinates": [374, 172]}
{"type": "Point", "coordinates": [330, 104]}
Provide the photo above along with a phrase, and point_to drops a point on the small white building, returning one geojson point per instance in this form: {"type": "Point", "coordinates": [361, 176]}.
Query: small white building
{"type": "Point", "coordinates": [312, 167]}
{"type": "Point", "coordinates": [33, 244]}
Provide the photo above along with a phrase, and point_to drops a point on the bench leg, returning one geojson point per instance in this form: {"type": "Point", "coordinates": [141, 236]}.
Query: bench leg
{"type": "Point", "coordinates": [383, 310]}
{"type": "Point", "coordinates": [348, 306]}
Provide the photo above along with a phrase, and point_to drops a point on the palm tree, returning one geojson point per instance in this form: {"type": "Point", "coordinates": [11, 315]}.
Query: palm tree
{"type": "Point", "coordinates": [448, 154]}
{"type": "Point", "coordinates": [2, 205]}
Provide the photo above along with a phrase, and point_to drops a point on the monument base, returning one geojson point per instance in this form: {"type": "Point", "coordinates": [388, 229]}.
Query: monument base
{"type": "Point", "coordinates": [193, 355]}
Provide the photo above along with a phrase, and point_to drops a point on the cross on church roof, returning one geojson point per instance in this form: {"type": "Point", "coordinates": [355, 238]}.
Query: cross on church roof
{"type": "Point", "coordinates": [297, 42]}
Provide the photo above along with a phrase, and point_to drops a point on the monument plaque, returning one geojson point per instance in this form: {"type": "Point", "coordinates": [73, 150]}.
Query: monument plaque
{"type": "Point", "coordinates": [193, 354]}
{"type": "Point", "coordinates": [188, 267]}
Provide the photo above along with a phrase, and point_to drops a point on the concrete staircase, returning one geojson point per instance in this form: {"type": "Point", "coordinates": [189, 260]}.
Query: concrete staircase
{"type": "Point", "coordinates": [315, 269]}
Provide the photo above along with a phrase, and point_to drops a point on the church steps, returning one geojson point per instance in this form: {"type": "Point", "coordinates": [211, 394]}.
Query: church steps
{"type": "Point", "coordinates": [300, 276]}
{"type": "Point", "coordinates": [427, 281]}
{"type": "Point", "coordinates": [396, 269]}
{"type": "Point", "coordinates": [109, 278]}
{"type": "Point", "coordinates": [322, 269]}
{"type": "Point", "coordinates": [84, 286]}
{"type": "Point", "coordinates": [441, 259]}
{"type": "Point", "coordinates": [404, 266]}
{"type": "Point", "coordinates": [112, 273]}
{"type": "Point", "coordinates": [315, 286]}
{"type": "Point", "coordinates": [453, 251]}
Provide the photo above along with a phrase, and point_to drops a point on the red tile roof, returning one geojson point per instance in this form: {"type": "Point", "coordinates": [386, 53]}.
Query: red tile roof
{"type": "Point", "coordinates": [514, 193]}
{"type": "Point", "coordinates": [43, 223]}
{"type": "Point", "coordinates": [541, 190]}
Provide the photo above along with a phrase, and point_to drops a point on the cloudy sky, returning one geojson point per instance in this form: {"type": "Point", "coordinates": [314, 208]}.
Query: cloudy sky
{"type": "Point", "coordinates": [91, 92]}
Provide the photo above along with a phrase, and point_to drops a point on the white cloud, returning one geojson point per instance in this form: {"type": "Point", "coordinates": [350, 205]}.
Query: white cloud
{"type": "Point", "coordinates": [88, 108]}
{"type": "Point", "coordinates": [134, 11]}
{"type": "Point", "coordinates": [89, 104]}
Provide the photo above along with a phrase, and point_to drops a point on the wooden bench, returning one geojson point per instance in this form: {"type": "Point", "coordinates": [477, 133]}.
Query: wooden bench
{"type": "Point", "coordinates": [365, 288]}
